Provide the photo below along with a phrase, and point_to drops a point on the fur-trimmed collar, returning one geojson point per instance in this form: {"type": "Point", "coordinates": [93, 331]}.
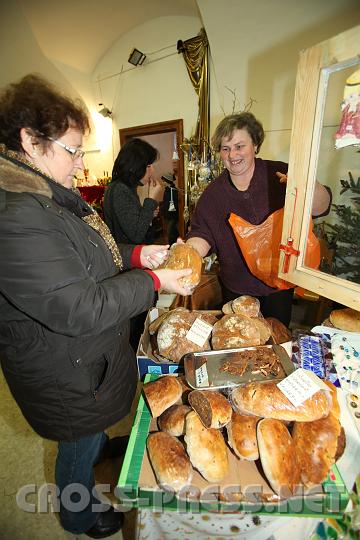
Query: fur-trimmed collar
{"type": "Point", "coordinates": [18, 176]}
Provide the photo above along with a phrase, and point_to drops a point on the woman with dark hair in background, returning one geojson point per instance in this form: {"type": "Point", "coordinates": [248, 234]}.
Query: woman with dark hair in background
{"type": "Point", "coordinates": [128, 219]}
{"type": "Point", "coordinates": [65, 297]}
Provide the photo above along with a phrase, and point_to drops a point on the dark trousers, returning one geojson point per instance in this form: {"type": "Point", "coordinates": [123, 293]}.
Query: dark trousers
{"type": "Point", "coordinates": [79, 507]}
{"type": "Point", "coordinates": [277, 304]}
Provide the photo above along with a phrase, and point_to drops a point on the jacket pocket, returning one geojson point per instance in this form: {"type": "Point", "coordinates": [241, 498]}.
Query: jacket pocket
{"type": "Point", "coordinates": [98, 371]}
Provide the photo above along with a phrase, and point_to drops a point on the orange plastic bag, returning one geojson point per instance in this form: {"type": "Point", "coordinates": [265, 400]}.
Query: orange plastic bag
{"type": "Point", "coordinates": [260, 246]}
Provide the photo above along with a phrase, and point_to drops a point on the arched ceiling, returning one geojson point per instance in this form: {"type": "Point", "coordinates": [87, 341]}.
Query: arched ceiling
{"type": "Point", "coordinates": [79, 32]}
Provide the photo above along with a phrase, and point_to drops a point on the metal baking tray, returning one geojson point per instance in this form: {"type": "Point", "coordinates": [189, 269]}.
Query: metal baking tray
{"type": "Point", "coordinates": [203, 370]}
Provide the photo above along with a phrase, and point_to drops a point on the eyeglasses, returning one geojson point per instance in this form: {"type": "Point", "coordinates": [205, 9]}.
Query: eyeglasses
{"type": "Point", "coordinates": [74, 152]}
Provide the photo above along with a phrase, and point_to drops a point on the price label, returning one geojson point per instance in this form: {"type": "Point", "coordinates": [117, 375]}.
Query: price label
{"type": "Point", "coordinates": [300, 386]}
{"type": "Point", "coordinates": [199, 332]}
{"type": "Point", "coordinates": [201, 376]}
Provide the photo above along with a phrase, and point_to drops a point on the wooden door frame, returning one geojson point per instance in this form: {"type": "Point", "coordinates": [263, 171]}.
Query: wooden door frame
{"type": "Point", "coordinates": [156, 129]}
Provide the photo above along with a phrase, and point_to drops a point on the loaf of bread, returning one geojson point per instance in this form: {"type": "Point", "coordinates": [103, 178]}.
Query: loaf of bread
{"type": "Point", "coordinates": [233, 331]}
{"type": "Point", "coordinates": [162, 393]}
{"type": "Point", "coordinates": [171, 337]}
{"type": "Point", "coordinates": [278, 456]}
{"type": "Point", "coordinates": [346, 319]}
{"type": "Point", "coordinates": [206, 448]}
{"type": "Point", "coordinates": [183, 256]}
{"type": "Point", "coordinates": [169, 461]}
{"type": "Point", "coordinates": [156, 323]}
{"type": "Point", "coordinates": [279, 332]}
{"type": "Point", "coordinates": [246, 305]}
{"type": "Point", "coordinates": [173, 420]}
{"type": "Point", "coordinates": [265, 399]}
{"type": "Point", "coordinates": [317, 444]}
{"type": "Point", "coordinates": [242, 438]}
{"type": "Point", "coordinates": [264, 329]}
{"type": "Point", "coordinates": [212, 407]}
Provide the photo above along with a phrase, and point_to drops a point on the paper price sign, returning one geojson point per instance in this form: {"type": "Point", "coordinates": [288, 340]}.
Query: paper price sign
{"type": "Point", "coordinates": [299, 386]}
{"type": "Point", "coordinates": [201, 376]}
{"type": "Point", "coordinates": [199, 332]}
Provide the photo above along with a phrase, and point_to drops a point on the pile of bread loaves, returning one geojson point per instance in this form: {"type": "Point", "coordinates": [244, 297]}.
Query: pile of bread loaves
{"type": "Point", "coordinates": [296, 445]}
{"type": "Point", "coordinates": [240, 325]}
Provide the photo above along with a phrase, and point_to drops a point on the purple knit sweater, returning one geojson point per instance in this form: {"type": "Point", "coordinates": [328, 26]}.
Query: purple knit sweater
{"type": "Point", "coordinates": [264, 196]}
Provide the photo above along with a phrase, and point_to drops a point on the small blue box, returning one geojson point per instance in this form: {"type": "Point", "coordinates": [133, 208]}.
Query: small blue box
{"type": "Point", "coordinates": [147, 365]}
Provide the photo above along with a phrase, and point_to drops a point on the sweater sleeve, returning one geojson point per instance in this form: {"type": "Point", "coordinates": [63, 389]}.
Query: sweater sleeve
{"type": "Point", "coordinates": [133, 218]}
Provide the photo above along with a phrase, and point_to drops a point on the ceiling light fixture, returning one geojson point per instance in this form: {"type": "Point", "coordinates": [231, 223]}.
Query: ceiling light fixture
{"type": "Point", "coordinates": [136, 57]}
{"type": "Point", "coordinates": [104, 111]}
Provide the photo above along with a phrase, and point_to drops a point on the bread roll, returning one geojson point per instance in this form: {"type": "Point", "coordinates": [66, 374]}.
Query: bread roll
{"type": "Point", "coordinates": [227, 308]}
{"type": "Point", "coordinates": [242, 439]}
{"type": "Point", "coordinates": [265, 399]}
{"type": "Point", "coordinates": [233, 331]}
{"type": "Point", "coordinates": [156, 323]}
{"type": "Point", "coordinates": [173, 420]}
{"type": "Point", "coordinates": [169, 460]}
{"type": "Point", "coordinates": [183, 256]}
{"type": "Point", "coordinates": [171, 337]}
{"type": "Point", "coordinates": [278, 456]}
{"type": "Point", "coordinates": [212, 407]}
{"type": "Point", "coordinates": [246, 305]}
{"type": "Point", "coordinates": [206, 448]}
{"type": "Point", "coordinates": [279, 332]}
{"type": "Point", "coordinates": [162, 393]}
{"type": "Point", "coordinates": [346, 319]}
{"type": "Point", "coordinates": [317, 444]}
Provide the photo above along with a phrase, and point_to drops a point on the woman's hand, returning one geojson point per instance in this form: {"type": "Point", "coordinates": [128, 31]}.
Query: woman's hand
{"type": "Point", "coordinates": [169, 280]}
{"type": "Point", "coordinates": [156, 190]}
{"type": "Point", "coordinates": [152, 256]}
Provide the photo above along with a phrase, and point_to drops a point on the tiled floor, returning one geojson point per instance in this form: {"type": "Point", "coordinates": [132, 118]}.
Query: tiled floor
{"type": "Point", "coordinates": [27, 463]}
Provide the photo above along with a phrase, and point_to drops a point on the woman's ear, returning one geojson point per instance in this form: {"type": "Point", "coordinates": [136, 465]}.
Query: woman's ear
{"type": "Point", "coordinates": [28, 142]}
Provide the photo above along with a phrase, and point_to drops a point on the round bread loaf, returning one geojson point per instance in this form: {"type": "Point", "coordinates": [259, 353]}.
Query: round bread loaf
{"type": "Point", "coordinates": [212, 407]}
{"type": "Point", "coordinates": [206, 448]}
{"type": "Point", "coordinates": [183, 256]}
{"type": "Point", "coordinates": [173, 420]}
{"type": "Point", "coordinates": [242, 439]}
{"type": "Point", "coordinates": [169, 460]}
{"type": "Point", "coordinates": [233, 331]}
{"type": "Point", "coordinates": [171, 338]}
{"type": "Point", "coordinates": [265, 399]}
{"type": "Point", "coordinates": [279, 332]}
{"type": "Point", "coordinates": [162, 393]}
{"type": "Point", "coordinates": [264, 329]}
{"type": "Point", "coordinates": [346, 319]}
{"type": "Point", "coordinates": [246, 305]}
{"type": "Point", "coordinates": [278, 456]}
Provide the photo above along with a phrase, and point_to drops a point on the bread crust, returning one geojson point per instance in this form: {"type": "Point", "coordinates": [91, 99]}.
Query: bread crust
{"type": "Point", "coordinates": [171, 337]}
{"type": "Point", "coordinates": [183, 256]}
{"type": "Point", "coordinates": [278, 456]}
{"type": "Point", "coordinates": [242, 437]}
{"type": "Point", "coordinates": [173, 420]}
{"type": "Point", "coordinates": [233, 331]}
{"type": "Point", "coordinates": [346, 319]}
{"type": "Point", "coordinates": [246, 305]}
{"type": "Point", "coordinates": [267, 401]}
{"type": "Point", "coordinates": [169, 461]}
{"type": "Point", "coordinates": [279, 332]}
{"type": "Point", "coordinates": [317, 443]}
{"type": "Point", "coordinates": [162, 393]}
{"type": "Point", "coordinates": [206, 448]}
{"type": "Point", "coordinates": [213, 408]}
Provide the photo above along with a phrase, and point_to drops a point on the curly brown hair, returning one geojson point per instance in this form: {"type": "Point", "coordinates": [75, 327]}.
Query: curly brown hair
{"type": "Point", "coordinates": [230, 123]}
{"type": "Point", "coordinates": [34, 103]}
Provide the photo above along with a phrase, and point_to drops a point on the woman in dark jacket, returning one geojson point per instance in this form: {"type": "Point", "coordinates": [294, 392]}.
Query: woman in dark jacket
{"type": "Point", "coordinates": [130, 221]}
{"type": "Point", "coordinates": [65, 300]}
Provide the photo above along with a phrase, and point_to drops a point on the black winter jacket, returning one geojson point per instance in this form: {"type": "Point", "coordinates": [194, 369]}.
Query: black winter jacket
{"type": "Point", "coordinates": [64, 309]}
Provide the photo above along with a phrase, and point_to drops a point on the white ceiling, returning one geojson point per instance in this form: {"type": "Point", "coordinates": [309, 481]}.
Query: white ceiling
{"type": "Point", "coordinates": [79, 32]}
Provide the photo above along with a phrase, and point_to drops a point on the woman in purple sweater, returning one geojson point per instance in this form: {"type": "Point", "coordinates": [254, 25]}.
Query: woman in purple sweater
{"type": "Point", "coordinates": [250, 188]}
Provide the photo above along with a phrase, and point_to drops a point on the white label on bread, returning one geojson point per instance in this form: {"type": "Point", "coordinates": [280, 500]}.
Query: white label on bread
{"type": "Point", "coordinates": [199, 332]}
{"type": "Point", "coordinates": [201, 376]}
{"type": "Point", "coordinates": [301, 385]}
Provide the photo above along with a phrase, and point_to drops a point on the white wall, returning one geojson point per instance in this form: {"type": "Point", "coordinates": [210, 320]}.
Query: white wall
{"type": "Point", "coordinates": [255, 48]}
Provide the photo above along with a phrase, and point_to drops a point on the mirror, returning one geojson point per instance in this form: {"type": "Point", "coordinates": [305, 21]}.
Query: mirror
{"type": "Point", "coordinates": [166, 137]}
{"type": "Point", "coordinates": [325, 147]}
